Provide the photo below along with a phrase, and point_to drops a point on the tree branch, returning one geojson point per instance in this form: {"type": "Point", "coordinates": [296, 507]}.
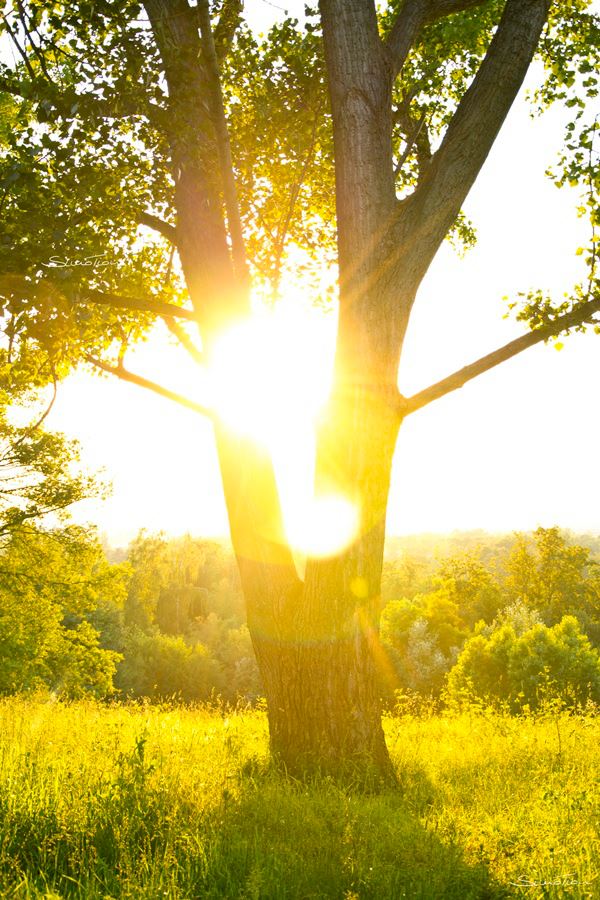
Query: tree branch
{"type": "Point", "coordinates": [125, 375]}
{"type": "Point", "coordinates": [184, 339]}
{"type": "Point", "coordinates": [441, 8]}
{"type": "Point", "coordinates": [412, 17]}
{"type": "Point", "coordinates": [20, 49]}
{"type": "Point", "coordinates": [417, 138]}
{"type": "Point", "coordinates": [40, 420]}
{"type": "Point", "coordinates": [405, 30]}
{"type": "Point", "coordinates": [286, 220]}
{"type": "Point", "coordinates": [68, 103]}
{"type": "Point", "coordinates": [157, 307]}
{"type": "Point", "coordinates": [36, 49]}
{"type": "Point", "coordinates": [168, 231]}
{"type": "Point", "coordinates": [452, 382]}
{"type": "Point", "coordinates": [226, 27]}
{"type": "Point", "coordinates": [223, 144]}
{"type": "Point", "coordinates": [475, 126]}
{"type": "Point", "coordinates": [175, 29]}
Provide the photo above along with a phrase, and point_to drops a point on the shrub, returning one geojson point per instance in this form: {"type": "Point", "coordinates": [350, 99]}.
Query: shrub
{"type": "Point", "coordinates": [527, 668]}
{"type": "Point", "coordinates": [157, 666]}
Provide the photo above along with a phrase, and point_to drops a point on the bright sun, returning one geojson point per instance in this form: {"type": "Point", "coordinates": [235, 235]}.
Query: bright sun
{"type": "Point", "coordinates": [269, 377]}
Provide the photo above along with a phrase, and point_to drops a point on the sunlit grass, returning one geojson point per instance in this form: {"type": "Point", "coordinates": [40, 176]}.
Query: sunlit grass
{"type": "Point", "coordinates": [148, 802]}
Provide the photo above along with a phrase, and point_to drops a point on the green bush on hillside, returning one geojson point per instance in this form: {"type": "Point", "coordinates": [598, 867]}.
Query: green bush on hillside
{"type": "Point", "coordinates": [524, 669]}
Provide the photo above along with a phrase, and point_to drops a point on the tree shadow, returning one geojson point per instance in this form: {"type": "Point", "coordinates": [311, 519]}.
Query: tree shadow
{"type": "Point", "coordinates": [280, 838]}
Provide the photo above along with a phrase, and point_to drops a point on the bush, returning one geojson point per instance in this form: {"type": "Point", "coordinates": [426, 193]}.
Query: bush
{"type": "Point", "coordinates": [527, 668]}
{"type": "Point", "coordinates": [417, 650]}
{"type": "Point", "coordinates": [158, 666]}
{"type": "Point", "coordinates": [51, 587]}
{"type": "Point", "coordinates": [80, 666]}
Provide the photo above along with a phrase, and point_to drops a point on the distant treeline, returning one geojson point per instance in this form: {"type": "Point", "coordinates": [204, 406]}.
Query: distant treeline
{"type": "Point", "coordinates": [467, 618]}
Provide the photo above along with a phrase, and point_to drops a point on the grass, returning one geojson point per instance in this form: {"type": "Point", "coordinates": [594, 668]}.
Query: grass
{"type": "Point", "coordinates": [148, 802]}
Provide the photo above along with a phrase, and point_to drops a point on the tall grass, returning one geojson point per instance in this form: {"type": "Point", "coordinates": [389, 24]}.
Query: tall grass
{"type": "Point", "coordinates": [149, 802]}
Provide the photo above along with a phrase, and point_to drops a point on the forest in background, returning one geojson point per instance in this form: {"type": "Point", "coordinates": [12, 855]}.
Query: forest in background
{"type": "Point", "coordinates": [468, 618]}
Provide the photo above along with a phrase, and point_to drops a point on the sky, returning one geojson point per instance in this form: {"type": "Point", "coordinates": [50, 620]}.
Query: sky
{"type": "Point", "coordinates": [513, 450]}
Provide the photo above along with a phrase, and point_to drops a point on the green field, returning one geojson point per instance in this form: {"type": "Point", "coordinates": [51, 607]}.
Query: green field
{"type": "Point", "coordinates": [113, 801]}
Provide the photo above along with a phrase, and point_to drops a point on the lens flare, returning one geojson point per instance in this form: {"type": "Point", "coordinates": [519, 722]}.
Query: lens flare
{"type": "Point", "coordinates": [263, 379]}
{"type": "Point", "coordinates": [268, 379]}
{"type": "Point", "coordinates": [324, 527]}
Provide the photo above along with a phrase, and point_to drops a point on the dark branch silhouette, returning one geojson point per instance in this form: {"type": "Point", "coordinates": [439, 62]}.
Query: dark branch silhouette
{"type": "Point", "coordinates": [452, 382]}
{"type": "Point", "coordinates": [157, 307]}
{"type": "Point", "coordinates": [119, 371]}
{"type": "Point", "coordinates": [164, 228]}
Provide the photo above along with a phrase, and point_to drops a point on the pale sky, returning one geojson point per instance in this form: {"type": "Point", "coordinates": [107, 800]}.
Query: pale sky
{"type": "Point", "coordinates": [513, 450]}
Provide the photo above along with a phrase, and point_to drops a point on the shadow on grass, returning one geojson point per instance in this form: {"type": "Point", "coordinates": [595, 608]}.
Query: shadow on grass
{"type": "Point", "coordinates": [269, 837]}
{"type": "Point", "coordinates": [283, 839]}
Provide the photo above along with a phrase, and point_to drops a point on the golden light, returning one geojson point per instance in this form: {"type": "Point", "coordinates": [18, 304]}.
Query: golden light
{"type": "Point", "coordinates": [324, 527]}
{"type": "Point", "coordinates": [268, 378]}
{"type": "Point", "coordinates": [268, 374]}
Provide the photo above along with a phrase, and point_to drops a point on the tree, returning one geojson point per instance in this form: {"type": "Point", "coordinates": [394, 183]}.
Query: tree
{"type": "Point", "coordinates": [412, 645]}
{"type": "Point", "coordinates": [173, 581]}
{"type": "Point", "coordinates": [38, 477]}
{"type": "Point", "coordinates": [51, 583]}
{"type": "Point", "coordinates": [160, 666]}
{"type": "Point", "coordinates": [465, 584]}
{"type": "Point", "coordinates": [556, 577]}
{"type": "Point", "coordinates": [162, 107]}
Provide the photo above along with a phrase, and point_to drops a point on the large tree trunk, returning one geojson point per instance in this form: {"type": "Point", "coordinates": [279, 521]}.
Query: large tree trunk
{"type": "Point", "coordinates": [323, 679]}
{"type": "Point", "coordinates": [324, 703]}
{"type": "Point", "coordinates": [317, 643]}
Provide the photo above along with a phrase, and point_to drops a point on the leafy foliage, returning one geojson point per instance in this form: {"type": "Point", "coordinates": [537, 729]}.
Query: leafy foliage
{"type": "Point", "coordinates": [38, 475]}
{"type": "Point", "coordinates": [571, 79]}
{"type": "Point", "coordinates": [158, 666]}
{"type": "Point", "coordinates": [183, 632]}
{"type": "Point", "coordinates": [49, 584]}
{"type": "Point", "coordinates": [84, 152]}
{"type": "Point", "coordinates": [536, 580]}
{"type": "Point", "coordinates": [526, 669]}
{"type": "Point", "coordinates": [285, 174]}
{"type": "Point", "coordinates": [555, 577]}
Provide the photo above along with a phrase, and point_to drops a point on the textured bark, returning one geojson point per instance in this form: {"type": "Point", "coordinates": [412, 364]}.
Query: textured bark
{"type": "Point", "coordinates": [339, 655]}
{"type": "Point", "coordinates": [220, 297]}
{"type": "Point", "coordinates": [326, 712]}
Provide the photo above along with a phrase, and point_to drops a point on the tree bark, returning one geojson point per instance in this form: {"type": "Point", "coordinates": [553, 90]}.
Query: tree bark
{"type": "Point", "coordinates": [324, 706]}
{"type": "Point", "coordinates": [325, 712]}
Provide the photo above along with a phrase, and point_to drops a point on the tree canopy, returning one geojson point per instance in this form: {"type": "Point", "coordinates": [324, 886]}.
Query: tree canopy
{"type": "Point", "coordinates": [87, 176]}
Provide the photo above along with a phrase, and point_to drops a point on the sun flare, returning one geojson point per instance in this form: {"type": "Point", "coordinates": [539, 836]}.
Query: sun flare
{"type": "Point", "coordinates": [268, 379]}
{"type": "Point", "coordinates": [323, 527]}
{"type": "Point", "coordinates": [268, 374]}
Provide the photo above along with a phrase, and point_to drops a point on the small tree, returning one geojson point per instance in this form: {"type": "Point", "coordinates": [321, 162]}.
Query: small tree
{"type": "Point", "coordinates": [38, 476]}
{"type": "Point", "coordinates": [51, 583]}
{"type": "Point", "coordinates": [556, 577]}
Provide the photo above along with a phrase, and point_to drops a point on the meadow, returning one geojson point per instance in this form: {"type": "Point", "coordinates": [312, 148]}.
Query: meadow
{"type": "Point", "coordinates": [139, 801]}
